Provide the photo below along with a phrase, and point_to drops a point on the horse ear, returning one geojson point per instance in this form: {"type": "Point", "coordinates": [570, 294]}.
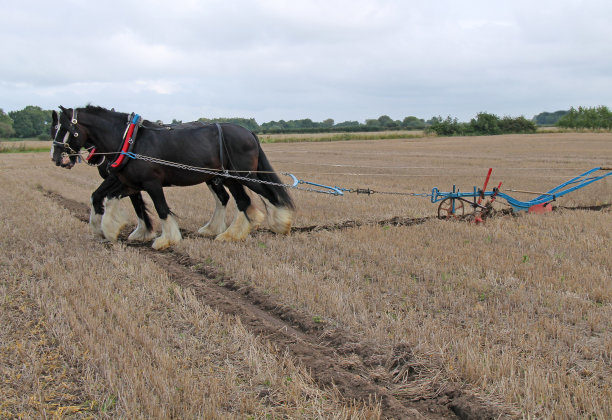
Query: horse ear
{"type": "Point", "coordinates": [63, 109]}
{"type": "Point", "coordinates": [54, 117]}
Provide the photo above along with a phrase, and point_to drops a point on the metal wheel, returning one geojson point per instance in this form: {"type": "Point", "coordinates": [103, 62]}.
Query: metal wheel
{"type": "Point", "coordinates": [451, 208]}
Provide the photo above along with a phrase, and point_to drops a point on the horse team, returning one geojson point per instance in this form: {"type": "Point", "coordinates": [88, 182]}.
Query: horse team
{"type": "Point", "coordinates": [224, 156]}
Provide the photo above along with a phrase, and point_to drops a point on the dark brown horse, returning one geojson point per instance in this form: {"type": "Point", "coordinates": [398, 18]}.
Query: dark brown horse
{"type": "Point", "coordinates": [234, 155]}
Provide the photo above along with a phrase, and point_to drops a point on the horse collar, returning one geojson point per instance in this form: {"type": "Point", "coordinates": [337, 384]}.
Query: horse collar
{"type": "Point", "coordinates": [134, 122]}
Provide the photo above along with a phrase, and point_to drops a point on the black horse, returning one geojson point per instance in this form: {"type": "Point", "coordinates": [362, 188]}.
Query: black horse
{"type": "Point", "coordinates": [234, 154]}
{"type": "Point", "coordinates": [103, 219]}
{"type": "Point", "coordinates": [111, 189]}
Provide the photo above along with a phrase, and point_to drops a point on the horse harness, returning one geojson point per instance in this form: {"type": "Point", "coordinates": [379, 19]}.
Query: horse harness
{"type": "Point", "coordinates": [70, 130]}
{"type": "Point", "coordinates": [129, 138]}
{"type": "Point", "coordinates": [134, 122]}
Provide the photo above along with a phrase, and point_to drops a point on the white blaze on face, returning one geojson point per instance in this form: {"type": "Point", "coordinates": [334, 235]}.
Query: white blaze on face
{"type": "Point", "coordinates": [65, 159]}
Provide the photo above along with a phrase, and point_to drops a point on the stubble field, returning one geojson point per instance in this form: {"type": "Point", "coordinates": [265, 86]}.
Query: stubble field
{"type": "Point", "coordinates": [371, 308]}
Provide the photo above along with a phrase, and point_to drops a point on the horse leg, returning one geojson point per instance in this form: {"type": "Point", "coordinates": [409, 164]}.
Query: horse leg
{"type": "Point", "coordinates": [247, 218]}
{"type": "Point", "coordinates": [170, 231]}
{"type": "Point", "coordinates": [216, 225]}
{"type": "Point", "coordinates": [105, 220]}
{"type": "Point", "coordinates": [96, 211]}
{"type": "Point", "coordinates": [280, 217]}
{"type": "Point", "coordinates": [114, 217]}
{"type": "Point", "coordinates": [144, 230]}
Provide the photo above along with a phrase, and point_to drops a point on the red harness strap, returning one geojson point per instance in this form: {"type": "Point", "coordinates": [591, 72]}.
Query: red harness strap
{"type": "Point", "coordinates": [91, 154]}
{"type": "Point", "coordinates": [128, 141]}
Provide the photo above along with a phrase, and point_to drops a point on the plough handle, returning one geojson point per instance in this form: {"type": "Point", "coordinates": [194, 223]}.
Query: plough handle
{"type": "Point", "coordinates": [495, 192]}
{"type": "Point", "coordinates": [484, 188]}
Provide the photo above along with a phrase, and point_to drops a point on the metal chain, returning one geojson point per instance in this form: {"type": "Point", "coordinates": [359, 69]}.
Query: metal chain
{"type": "Point", "coordinates": [226, 174]}
{"type": "Point", "coordinates": [223, 173]}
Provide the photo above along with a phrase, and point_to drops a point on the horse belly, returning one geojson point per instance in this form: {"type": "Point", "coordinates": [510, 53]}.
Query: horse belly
{"type": "Point", "coordinates": [184, 178]}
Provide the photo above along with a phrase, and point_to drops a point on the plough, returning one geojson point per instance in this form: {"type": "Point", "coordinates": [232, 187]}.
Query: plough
{"type": "Point", "coordinates": [454, 204]}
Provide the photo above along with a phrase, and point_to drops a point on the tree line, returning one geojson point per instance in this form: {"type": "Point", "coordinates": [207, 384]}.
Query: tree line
{"type": "Point", "coordinates": [306, 125]}
{"type": "Point", "coordinates": [34, 122]}
{"type": "Point", "coordinates": [587, 118]}
{"type": "Point", "coordinates": [483, 124]}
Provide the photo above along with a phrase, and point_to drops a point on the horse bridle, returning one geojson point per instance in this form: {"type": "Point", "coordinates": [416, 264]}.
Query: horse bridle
{"type": "Point", "coordinates": [72, 129]}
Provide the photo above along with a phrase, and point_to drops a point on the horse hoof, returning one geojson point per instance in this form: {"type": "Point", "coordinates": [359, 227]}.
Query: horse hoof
{"type": "Point", "coordinates": [256, 217]}
{"type": "Point", "coordinates": [110, 235]}
{"type": "Point", "coordinates": [162, 243]}
{"type": "Point", "coordinates": [210, 233]}
{"type": "Point", "coordinates": [95, 224]}
{"type": "Point", "coordinates": [141, 235]}
{"type": "Point", "coordinates": [280, 220]}
{"type": "Point", "coordinates": [97, 231]}
{"type": "Point", "coordinates": [226, 237]}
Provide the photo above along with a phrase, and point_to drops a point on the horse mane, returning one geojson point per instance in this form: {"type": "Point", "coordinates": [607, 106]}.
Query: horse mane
{"type": "Point", "coordinates": [98, 110]}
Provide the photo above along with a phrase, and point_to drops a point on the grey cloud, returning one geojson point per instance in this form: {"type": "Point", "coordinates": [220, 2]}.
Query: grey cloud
{"type": "Point", "coordinates": [282, 60]}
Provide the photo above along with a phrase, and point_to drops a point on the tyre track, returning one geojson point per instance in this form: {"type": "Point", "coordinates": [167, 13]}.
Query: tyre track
{"type": "Point", "coordinates": [334, 358]}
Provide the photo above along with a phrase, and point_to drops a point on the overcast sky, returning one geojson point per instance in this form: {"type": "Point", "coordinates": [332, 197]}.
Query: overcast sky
{"type": "Point", "coordinates": [272, 59]}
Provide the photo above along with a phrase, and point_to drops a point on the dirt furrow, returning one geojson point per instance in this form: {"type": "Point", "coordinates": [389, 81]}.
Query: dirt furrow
{"type": "Point", "coordinates": [334, 357]}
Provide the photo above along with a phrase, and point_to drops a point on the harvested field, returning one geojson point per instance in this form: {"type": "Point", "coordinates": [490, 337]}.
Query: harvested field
{"type": "Point", "coordinates": [371, 308]}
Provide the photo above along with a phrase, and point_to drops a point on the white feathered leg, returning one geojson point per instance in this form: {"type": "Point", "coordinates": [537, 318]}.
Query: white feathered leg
{"type": "Point", "coordinates": [170, 234]}
{"type": "Point", "coordinates": [95, 221]}
{"type": "Point", "coordinates": [217, 224]}
{"type": "Point", "coordinates": [113, 220]}
{"type": "Point", "coordinates": [141, 233]}
{"type": "Point", "coordinates": [242, 226]}
{"type": "Point", "coordinates": [280, 219]}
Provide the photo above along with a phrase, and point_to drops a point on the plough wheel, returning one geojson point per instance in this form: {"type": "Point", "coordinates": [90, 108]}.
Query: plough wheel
{"type": "Point", "coordinates": [451, 208]}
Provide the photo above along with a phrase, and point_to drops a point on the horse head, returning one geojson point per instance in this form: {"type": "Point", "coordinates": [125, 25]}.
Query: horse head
{"type": "Point", "coordinates": [68, 137]}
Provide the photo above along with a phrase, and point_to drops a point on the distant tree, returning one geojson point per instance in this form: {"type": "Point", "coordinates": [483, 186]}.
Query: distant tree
{"type": "Point", "coordinates": [516, 125]}
{"type": "Point", "coordinates": [485, 123]}
{"type": "Point", "coordinates": [6, 125]}
{"type": "Point", "coordinates": [30, 121]}
{"type": "Point", "coordinates": [274, 126]}
{"type": "Point", "coordinates": [371, 123]}
{"type": "Point", "coordinates": [413, 123]}
{"type": "Point", "coordinates": [347, 124]}
{"type": "Point", "coordinates": [583, 117]}
{"type": "Point", "coordinates": [387, 123]}
{"type": "Point", "coordinates": [548, 118]}
{"type": "Point", "coordinates": [446, 127]}
{"type": "Point", "coordinates": [305, 123]}
{"type": "Point", "coordinates": [328, 123]}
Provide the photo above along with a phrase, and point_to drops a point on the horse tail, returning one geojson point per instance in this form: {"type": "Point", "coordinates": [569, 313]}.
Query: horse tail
{"type": "Point", "coordinates": [265, 172]}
